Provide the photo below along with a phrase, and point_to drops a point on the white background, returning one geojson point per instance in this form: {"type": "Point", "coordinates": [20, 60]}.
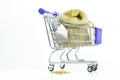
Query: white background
{"type": "Point", "coordinates": [24, 48]}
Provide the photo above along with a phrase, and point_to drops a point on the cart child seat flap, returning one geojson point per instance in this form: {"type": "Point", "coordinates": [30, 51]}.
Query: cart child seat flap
{"type": "Point", "coordinates": [61, 34]}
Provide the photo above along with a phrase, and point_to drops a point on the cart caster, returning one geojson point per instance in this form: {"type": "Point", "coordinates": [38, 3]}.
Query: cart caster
{"type": "Point", "coordinates": [62, 66]}
{"type": "Point", "coordinates": [95, 67]}
{"type": "Point", "coordinates": [51, 67]}
{"type": "Point", "coordinates": [92, 67]}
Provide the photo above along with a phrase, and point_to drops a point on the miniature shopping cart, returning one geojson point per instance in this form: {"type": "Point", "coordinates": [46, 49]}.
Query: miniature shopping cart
{"type": "Point", "coordinates": [51, 23]}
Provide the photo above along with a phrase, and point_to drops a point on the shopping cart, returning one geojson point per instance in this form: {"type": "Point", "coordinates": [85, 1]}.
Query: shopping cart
{"type": "Point", "coordinates": [52, 25]}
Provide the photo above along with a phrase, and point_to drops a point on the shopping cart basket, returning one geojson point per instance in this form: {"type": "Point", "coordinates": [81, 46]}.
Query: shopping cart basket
{"type": "Point", "coordinates": [51, 23]}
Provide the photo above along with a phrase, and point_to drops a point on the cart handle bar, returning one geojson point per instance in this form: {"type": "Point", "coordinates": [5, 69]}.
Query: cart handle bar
{"type": "Point", "coordinates": [42, 11]}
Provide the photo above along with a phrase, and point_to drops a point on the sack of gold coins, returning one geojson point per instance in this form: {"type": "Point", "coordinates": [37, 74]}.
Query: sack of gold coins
{"type": "Point", "coordinates": [77, 32]}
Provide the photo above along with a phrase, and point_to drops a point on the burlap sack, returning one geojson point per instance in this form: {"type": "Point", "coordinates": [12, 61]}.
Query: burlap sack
{"type": "Point", "coordinates": [75, 34]}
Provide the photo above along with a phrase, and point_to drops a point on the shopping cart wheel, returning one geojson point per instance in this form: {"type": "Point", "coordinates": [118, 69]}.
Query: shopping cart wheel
{"type": "Point", "coordinates": [90, 68]}
{"type": "Point", "coordinates": [95, 66]}
{"type": "Point", "coordinates": [62, 66]}
{"type": "Point", "coordinates": [51, 67]}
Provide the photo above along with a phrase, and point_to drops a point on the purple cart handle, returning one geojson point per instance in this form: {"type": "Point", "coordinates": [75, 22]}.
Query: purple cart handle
{"type": "Point", "coordinates": [42, 11]}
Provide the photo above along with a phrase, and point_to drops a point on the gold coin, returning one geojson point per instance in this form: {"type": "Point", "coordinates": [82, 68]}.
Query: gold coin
{"type": "Point", "coordinates": [75, 12]}
{"type": "Point", "coordinates": [60, 72]}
